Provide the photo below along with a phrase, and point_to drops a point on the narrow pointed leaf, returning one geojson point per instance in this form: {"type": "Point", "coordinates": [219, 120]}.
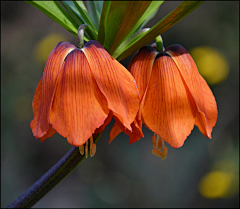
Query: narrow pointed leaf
{"type": "Point", "coordinates": [152, 13]}
{"type": "Point", "coordinates": [103, 21]}
{"type": "Point", "coordinates": [167, 22]}
{"type": "Point", "coordinates": [128, 42]}
{"type": "Point", "coordinates": [55, 11]}
{"type": "Point", "coordinates": [95, 9]}
{"type": "Point", "coordinates": [86, 17]}
{"type": "Point", "coordinates": [119, 20]}
{"type": "Point", "coordinates": [72, 9]}
{"type": "Point", "coordinates": [152, 9]}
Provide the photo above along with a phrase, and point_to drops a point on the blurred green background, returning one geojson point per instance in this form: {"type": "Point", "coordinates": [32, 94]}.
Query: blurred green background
{"type": "Point", "coordinates": [202, 173]}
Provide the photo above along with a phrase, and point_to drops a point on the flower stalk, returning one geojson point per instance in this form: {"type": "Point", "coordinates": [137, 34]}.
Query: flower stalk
{"type": "Point", "coordinates": [159, 43]}
{"type": "Point", "coordinates": [51, 178]}
{"type": "Point", "coordinates": [80, 35]}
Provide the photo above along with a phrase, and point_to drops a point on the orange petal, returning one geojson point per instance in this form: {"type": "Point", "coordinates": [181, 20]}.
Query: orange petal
{"type": "Point", "coordinates": [50, 74]}
{"type": "Point", "coordinates": [136, 130]}
{"type": "Point", "coordinates": [36, 106]}
{"type": "Point", "coordinates": [210, 108]}
{"type": "Point", "coordinates": [114, 132]}
{"type": "Point", "coordinates": [49, 133]}
{"type": "Point", "coordinates": [102, 127]}
{"type": "Point", "coordinates": [114, 81]}
{"type": "Point", "coordinates": [206, 115]}
{"type": "Point", "coordinates": [141, 68]}
{"type": "Point", "coordinates": [167, 110]}
{"type": "Point", "coordinates": [79, 108]}
{"type": "Point", "coordinates": [135, 134]}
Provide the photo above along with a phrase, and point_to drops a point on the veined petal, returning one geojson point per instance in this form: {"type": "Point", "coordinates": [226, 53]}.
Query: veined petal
{"type": "Point", "coordinates": [42, 103]}
{"type": "Point", "coordinates": [141, 68]}
{"type": "Point", "coordinates": [114, 132]}
{"type": "Point", "coordinates": [136, 129]}
{"type": "Point", "coordinates": [135, 134]}
{"type": "Point", "coordinates": [210, 108]}
{"type": "Point", "coordinates": [115, 82]}
{"type": "Point", "coordinates": [79, 108]}
{"type": "Point", "coordinates": [36, 105]}
{"type": "Point", "coordinates": [206, 108]}
{"type": "Point", "coordinates": [167, 110]}
{"type": "Point", "coordinates": [106, 122]}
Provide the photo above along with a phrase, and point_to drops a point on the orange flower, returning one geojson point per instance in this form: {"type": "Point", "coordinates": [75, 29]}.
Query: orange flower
{"type": "Point", "coordinates": [80, 91]}
{"type": "Point", "coordinates": [173, 96]}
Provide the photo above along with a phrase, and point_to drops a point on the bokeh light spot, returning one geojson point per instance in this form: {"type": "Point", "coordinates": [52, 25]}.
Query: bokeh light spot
{"type": "Point", "coordinates": [218, 184]}
{"type": "Point", "coordinates": [46, 45]}
{"type": "Point", "coordinates": [212, 65]}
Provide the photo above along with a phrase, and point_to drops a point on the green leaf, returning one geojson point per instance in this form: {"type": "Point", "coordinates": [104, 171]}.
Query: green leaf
{"type": "Point", "coordinates": [148, 15]}
{"type": "Point", "coordinates": [128, 42]}
{"type": "Point", "coordinates": [86, 17]}
{"type": "Point", "coordinates": [167, 22]}
{"type": "Point", "coordinates": [95, 9]}
{"type": "Point", "coordinates": [118, 20]}
{"type": "Point", "coordinates": [151, 15]}
{"type": "Point", "coordinates": [73, 10]}
{"type": "Point", "coordinates": [103, 21]}
{"type": "Point", "coordinates": [54, 10]}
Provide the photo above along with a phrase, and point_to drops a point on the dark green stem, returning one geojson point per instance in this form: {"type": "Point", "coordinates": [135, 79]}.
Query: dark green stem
{"type": "Point", "coordinates": [50, 179]}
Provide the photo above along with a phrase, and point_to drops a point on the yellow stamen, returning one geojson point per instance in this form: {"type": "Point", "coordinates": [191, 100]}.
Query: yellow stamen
{"type": "Point", "coordinates": [158, 144]}
{"type": "Point", "coordinates": [154, 141]}
{"type": "Point", "coordinates": [157, 152]}
{"type": "Point", "coordinates": [91, 142]}
{"type": "Point", "coordinates": [86, 150]}
{"type": "Point", "coordinates": [164, 153]}
{"type": "Point", "coordinates": [93, 150]}
{"type": "Point", "coordinates": [81, 150]}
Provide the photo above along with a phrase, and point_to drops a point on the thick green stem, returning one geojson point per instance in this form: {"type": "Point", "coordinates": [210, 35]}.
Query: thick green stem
{"type": "Point", "coordinates": [159, 42]}
{"type": "Point", "coordinates": [50, 179]}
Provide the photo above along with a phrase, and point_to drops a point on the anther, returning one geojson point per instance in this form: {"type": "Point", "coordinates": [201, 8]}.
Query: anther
{"type": "Point", "coordinates": [93, 150]}
{"type": "Point", "coordinates": [86, 150]}
{"type": "Point", "coordinates": [81, 149]}
{"type": "Point", "coordinates": [91, 142]}
{"type": "Point", "coordinates": [157, 152]}
{"type": "Point", "coordinates": [154, 141]}
{"type": "Point", "coordinates": [158, 144]}
{"type": "Point", "coordinates": [164, 152]}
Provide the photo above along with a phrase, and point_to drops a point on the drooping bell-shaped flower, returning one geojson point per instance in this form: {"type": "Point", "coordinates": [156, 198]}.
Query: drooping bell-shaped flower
{"type": "Point", "coordinates": [81, 89]}
{"type": "Point", "coordinates": [173, 96]}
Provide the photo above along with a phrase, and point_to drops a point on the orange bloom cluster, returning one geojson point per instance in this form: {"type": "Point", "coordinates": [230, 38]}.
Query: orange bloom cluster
{"type": "Point", "coordinates": [82, 89]}
{"type": "Point", "coordinates": [79, 93]}
{"type": "Point", "coordinates": [173, 96]}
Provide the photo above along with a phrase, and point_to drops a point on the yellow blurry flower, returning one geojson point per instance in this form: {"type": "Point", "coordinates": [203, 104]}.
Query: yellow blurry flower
{"type": "Point", "coordinates": [45, 46]}
{"type": "Point", "coordinates": [221, 183]}
{"type": "Point", "coordinates": [211, 64]}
